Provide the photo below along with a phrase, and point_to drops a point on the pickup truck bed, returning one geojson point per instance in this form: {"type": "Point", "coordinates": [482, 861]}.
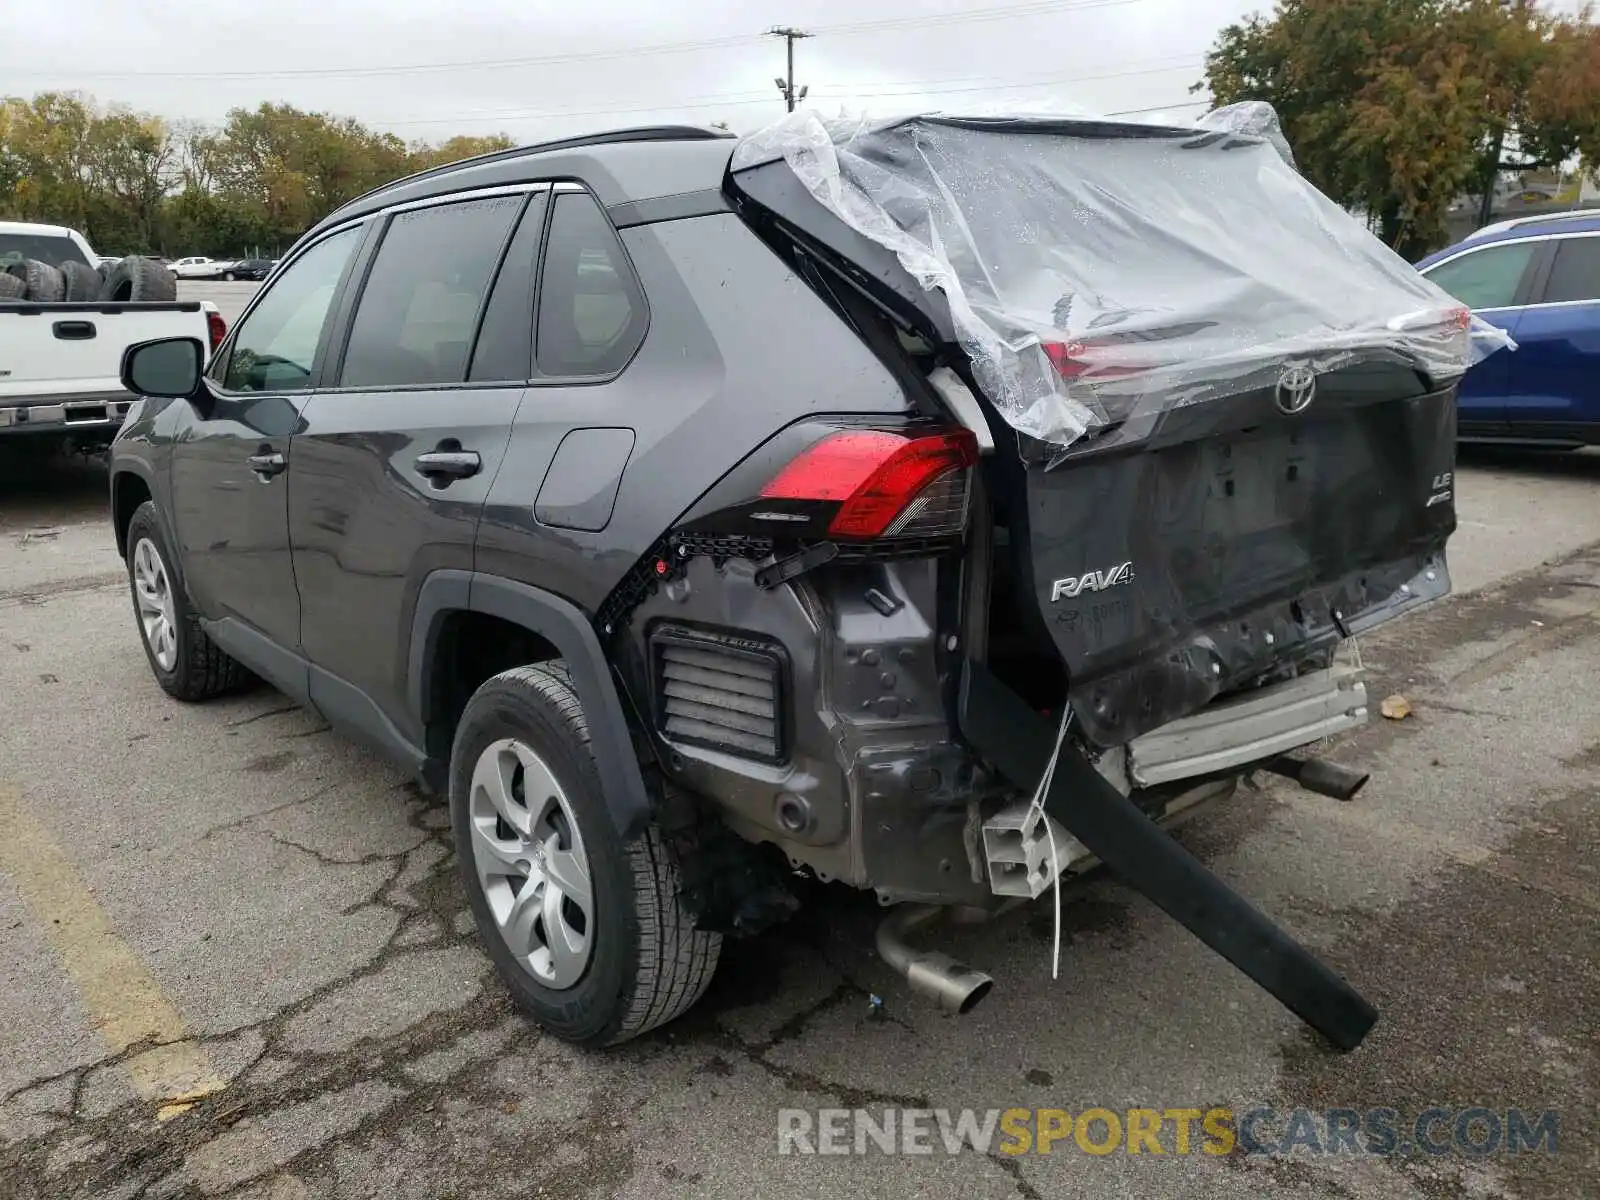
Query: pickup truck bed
{"type": "Point", "coordinates": [60, 363]}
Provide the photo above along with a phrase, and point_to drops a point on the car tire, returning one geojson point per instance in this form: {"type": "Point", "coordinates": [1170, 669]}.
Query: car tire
{"type": "Point", "coordinates": [41, 282]}
{"type": "Point", "coordinates": [229, 276]}
{"type": "Point", "coordinates": [638, 961]}
{"type": "Point", "coordinates": [12, 288]}
{"type": "Point", "coordinates": [139, 279]}
{"type": "Point", "coordinates": [82, 282]}
{"type": "Point", "coordinates": [187, 664]}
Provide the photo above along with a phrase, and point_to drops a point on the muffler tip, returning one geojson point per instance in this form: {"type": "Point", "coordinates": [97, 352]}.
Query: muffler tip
{"type": "Point", "coordinates": [954, 986]}
{"type": "Point", "coordinates": [1321, 776]}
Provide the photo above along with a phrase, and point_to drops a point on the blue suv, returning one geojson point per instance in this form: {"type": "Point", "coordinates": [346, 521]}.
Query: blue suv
{"type": "Point", "coordinates": [1538, 278]}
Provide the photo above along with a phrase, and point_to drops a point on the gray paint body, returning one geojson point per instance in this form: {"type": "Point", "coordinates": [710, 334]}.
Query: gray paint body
{"type": "Point", "coordinates": [335, 578]}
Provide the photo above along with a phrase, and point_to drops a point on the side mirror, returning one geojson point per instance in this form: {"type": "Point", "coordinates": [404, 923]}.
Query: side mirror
{"type": "Point", "coordinates": [168, 368]}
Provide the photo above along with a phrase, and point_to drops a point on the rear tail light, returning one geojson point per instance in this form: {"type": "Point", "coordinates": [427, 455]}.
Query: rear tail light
{"type": "Point", "coordinates": [1074, 360]}
{"type": "Point", "coordinates": [886, 485]}
{"type": "Point", "coordinates": [216, 327]}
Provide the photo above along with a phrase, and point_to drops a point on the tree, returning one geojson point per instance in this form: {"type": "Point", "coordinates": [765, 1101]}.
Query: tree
{"type": "Point", "coordinates": [424, 156]}
{"type": "Point", "coordinates": [137, 184]}
{"type": "Point", "coordinates": [1395, 107]}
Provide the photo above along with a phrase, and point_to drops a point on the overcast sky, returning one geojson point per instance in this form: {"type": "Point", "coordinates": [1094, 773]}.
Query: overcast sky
{"type": "Point", "coordinates": [537, 68]}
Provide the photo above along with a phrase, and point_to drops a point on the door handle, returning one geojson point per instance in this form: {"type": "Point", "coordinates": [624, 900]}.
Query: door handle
{"type": "Point", "coordinates": [441, 466]}
{"type": "Point", "coordinates": [267, 463]}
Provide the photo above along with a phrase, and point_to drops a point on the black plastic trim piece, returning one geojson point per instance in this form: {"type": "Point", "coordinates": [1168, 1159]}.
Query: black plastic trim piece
{"type": "Point", "coordinates": [567, 628]}
{"type": "Point", "coordinates": [1001, 726]}
{"type": "Point", "coordinates": [282, 668]}
{"type": "Point", "coordinates": [141, 470]}
{"type": "Point", "coordinates": [348, 708]}
{"type": "Point", "coordinates": [704, 203]}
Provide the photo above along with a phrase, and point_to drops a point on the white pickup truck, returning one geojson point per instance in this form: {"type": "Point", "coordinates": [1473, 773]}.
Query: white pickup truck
{"type": "Point", "coordinates": [200, 267]}
{"type": "Point", "coordinates": [61, 343]}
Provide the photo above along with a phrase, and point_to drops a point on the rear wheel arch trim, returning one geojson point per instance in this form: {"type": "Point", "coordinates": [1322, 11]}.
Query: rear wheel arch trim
{"type": "Point", "coordinates": [568, 629]}
{"type": "Point", "coordinates": [121, 517]}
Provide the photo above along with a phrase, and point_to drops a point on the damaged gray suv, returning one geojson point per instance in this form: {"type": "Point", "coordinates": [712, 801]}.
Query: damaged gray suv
{"type": "Point", "coordinates": [936, 506]}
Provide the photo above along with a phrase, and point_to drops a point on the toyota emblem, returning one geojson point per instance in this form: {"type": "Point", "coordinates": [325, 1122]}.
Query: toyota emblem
{"type": "Point", "coordinates": [1297, 388]}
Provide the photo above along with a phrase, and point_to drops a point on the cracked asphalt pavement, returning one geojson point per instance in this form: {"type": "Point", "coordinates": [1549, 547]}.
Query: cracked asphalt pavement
{"type": "Point", "coordinates": [235, 960]}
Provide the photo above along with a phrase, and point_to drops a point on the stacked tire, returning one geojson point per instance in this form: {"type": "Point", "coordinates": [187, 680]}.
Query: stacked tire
{"type": "Point", "coordinates": [41, 282]}
{"type": "Point", "coordinates": [135, 279]}
{"type": "Point", "coordinates": [140, 280]}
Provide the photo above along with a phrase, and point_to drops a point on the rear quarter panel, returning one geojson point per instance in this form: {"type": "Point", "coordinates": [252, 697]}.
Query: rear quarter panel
{"type": "Point", "coordinates": [738, 347]}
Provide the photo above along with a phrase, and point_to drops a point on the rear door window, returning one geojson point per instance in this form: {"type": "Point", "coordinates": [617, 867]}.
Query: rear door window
{"type": "Point", "coordinates": [1575, 273]}
{"type": "Point", "coordinates": [419, 308]}
{"type": "Point", "coordinates": [592, 314]}
{"type": "Point", "coordinates": [1486, 278]}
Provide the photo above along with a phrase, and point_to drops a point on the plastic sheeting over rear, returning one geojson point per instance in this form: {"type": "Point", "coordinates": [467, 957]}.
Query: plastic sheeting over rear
{"type": "Point", "coordinates": [1098, 271]}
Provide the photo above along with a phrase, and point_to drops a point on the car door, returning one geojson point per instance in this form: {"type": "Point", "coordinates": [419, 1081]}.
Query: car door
{"type": "Point", "coordinates": [398, 451]}
{"type": "Point", "coordinates": [576, 430]}
{"type": "Point", "coordinates": [1554, 390]}
{"type": "Point", "coordinates": [232, 452]}
{"type": "Point", "coordinates": [1494, 281]}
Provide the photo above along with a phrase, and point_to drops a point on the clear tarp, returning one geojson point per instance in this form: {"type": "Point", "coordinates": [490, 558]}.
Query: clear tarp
{"type": "Point", "coordinates": [1098, 270]}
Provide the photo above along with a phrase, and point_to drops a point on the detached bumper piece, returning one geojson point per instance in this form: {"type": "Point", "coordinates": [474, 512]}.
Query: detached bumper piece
{"type": "Point", "coordinates": [1257, 725]}
{"type": "Point", "coordinates": [1018, 742]}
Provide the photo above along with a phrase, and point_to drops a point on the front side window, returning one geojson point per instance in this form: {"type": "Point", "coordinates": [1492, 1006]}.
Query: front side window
{"type": "Point", "coordinates": [414, 324]}
{"type": "Point", "coordinates": [1486, 278]}
{"type": "Point", "coordinates": [1575, 274]}
{"type": "Point", "coordinates": [592, 314]}
{"type": "Point", "coordinates": [276, 344]}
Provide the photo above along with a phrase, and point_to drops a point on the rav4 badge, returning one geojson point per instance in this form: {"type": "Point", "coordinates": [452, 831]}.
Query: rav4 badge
{"type": "Point", "coordinates": [1093, 581]}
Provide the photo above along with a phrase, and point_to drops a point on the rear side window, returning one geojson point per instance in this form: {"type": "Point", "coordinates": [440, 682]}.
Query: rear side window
{"type": "Point", "coordinates": [1486, 278]}
{"type": "Point", "coordinates": [415, 321]}
{"type": "Point", "coordinates": [1575, 274]}
{"type": "Point", "coordinates": [592, 314]}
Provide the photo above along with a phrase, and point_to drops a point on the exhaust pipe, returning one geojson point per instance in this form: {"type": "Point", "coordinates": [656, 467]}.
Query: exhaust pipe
{"type": "Point", "coordinates": [956, 987]}
{"type": "Point", "coordinates": [1320, 776]}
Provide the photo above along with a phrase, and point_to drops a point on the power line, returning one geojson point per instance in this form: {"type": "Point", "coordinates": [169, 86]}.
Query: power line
{"type": "Point", "coordinates": [741, 99]}
{"type": "Point", "coordinates": [1038, 8]}
{"type": "Point", "coordinates": [1130, 112]}
{"type": "Point", "coordinates": [1011, 87]}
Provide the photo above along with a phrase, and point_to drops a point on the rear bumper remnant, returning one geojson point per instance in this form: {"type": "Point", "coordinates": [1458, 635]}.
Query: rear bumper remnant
{"type": "Point", "coordinates": [1019, 742]}
{"type": "Point", "coordinates": [1257, 725]}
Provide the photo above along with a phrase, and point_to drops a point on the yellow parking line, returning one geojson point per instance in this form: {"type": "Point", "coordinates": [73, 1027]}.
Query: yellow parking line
{"type": "Point", "coordinates": [123, 999]}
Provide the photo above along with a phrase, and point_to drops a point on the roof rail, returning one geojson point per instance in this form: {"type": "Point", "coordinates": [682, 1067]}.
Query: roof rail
{"type": "Point", "coordinates": [1535, 219]}
{"type": "Point", "coordinates": [642, 133]}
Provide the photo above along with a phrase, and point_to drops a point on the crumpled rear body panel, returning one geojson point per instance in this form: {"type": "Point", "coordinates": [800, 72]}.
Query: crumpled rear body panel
{"type": "Point", "coordinates": [1098, 270]}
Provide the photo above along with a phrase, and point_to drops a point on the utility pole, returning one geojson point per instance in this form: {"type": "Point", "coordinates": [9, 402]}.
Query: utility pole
{"type": "Point", "coordinates": [791, 95]}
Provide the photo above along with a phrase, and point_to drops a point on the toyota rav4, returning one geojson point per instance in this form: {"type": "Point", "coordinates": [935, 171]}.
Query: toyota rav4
{"type": "Point", "coordinates": [936, 506]}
